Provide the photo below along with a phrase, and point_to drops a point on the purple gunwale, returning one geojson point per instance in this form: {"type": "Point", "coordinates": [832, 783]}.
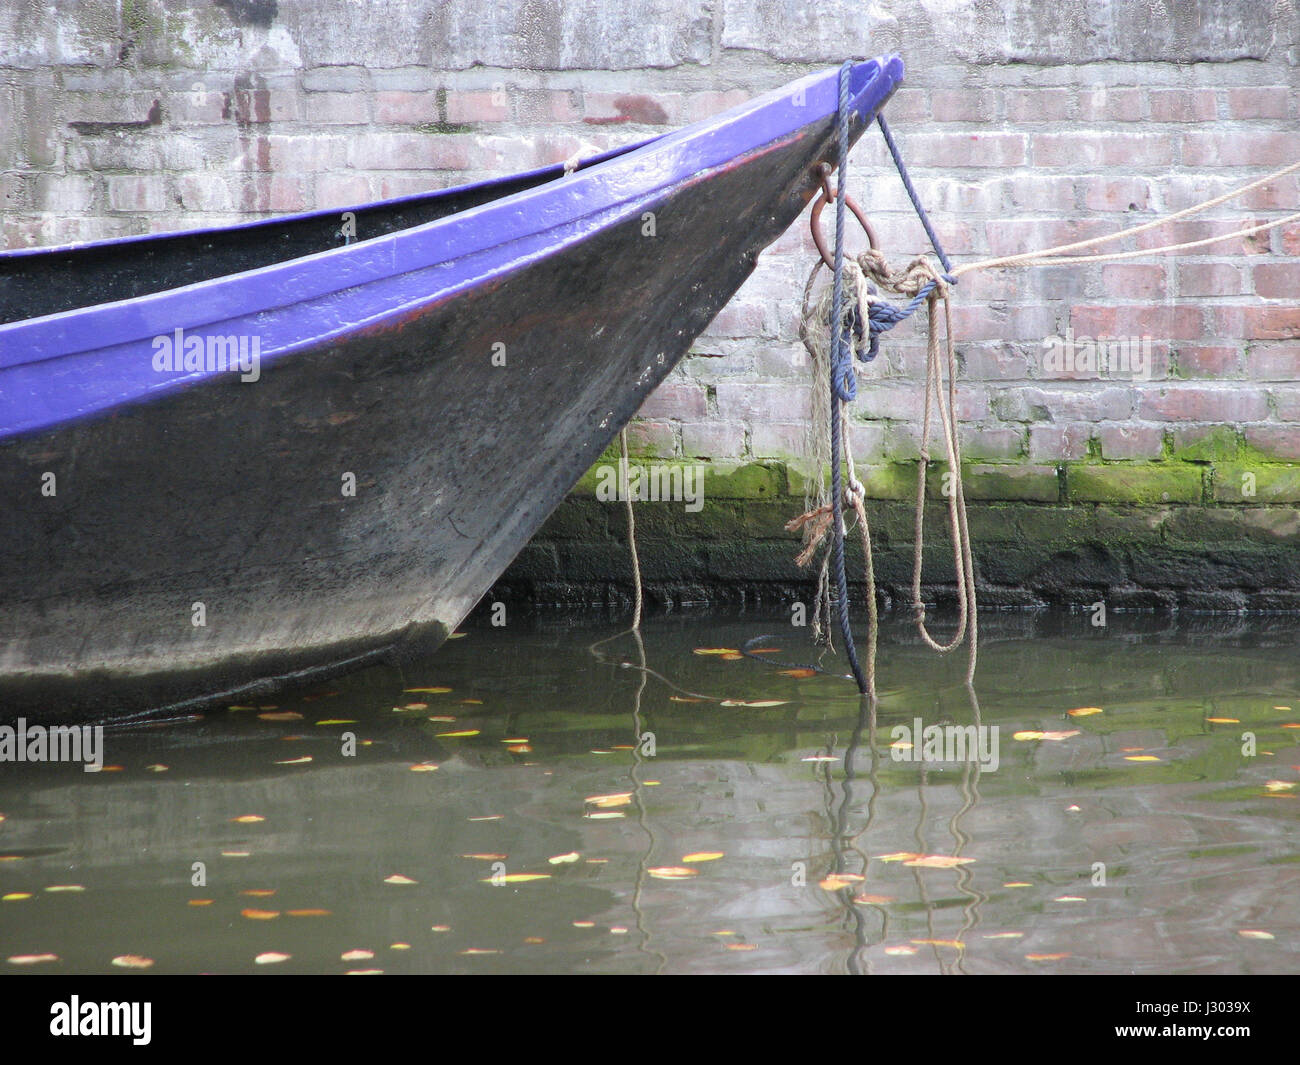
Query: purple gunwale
{"type": "Point", "coordinates": [87, 361]}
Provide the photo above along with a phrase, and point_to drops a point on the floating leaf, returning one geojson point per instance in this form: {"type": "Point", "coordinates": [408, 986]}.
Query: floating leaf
{"type": "Point", "coordinates": [584, 924]}
{"type": "Point", "coordinates": [956, 944]}
{"type": "Point", "coordinates": [398, 878]}
{"type": "Point", "coordinates": [1223, 720]}
{"type": "Point", "coordinates": [364, 972]}
{"type": "Point", "coordinates": [672, 872]}
{"type": "Point", "coordinates": [487, 857]}
{"type": "Point", "coordinates": [157, 767]}
{"type": "Point", "coordinates": [605, 815]}
{"type": "Point", "coordinates": [442, 719]}
{"type": "Point", "coordinates": [259, 893]}
{"type": "Point", "coordinates": [462, 734]}
{"type": "Point", "coordinates": [704, 856]}
{"type": "Point", "coordinates": [872, 900]}
{"type": "Point", "coordinates": [734, 656]}
{"type": "Point", "coordinates": [1018, 883]}
{"type": "Point", "coordinates": [16, 896]}
{"type": "Point", "coordinates": [820, 758]}
{"type": "Point", "coordinates": [132, 961]}
{"type": "Point", "coordinates": [1005, 935]}
{"type": "Point", "coordinates": [247, 819]}
{"type": "Point", "coordinates": [683, 699]}
{"type": "Point", "coordinates": [416, 706]}
{"type": "Point", "coordinates": [488, 817]}
{"type": "Point", "coordinates": [755, 703]}
{"type": "Point", "coordinates": [897, 951]}
{"type": "Point", "coordinates": [620, 798]}
{"type": "Point", "coordinates": [295, 761]}
{"type": "Point", "coordinates": [1248, 933]}
{"type": "Point", "coordinates": [716, 651]}
{"type": "Point", "coordinates": [307, 913]}
{"type": "Point", "coordinates": [897, 856]}
{"type": "Point", "coordinates": [198, 902]}
{"type": "Point", "coordinates": [260, 915]}
{"type": "Point", "coordinates": [399, 946]}
{"type": "Point", "coordinates": [1271, 785]}
{"type": "Point", "coordinates": [1069, 898]}
{"type": "Point", "coordinates": [338, 721]}
{"type": "Point", "coordinates": [31, 959]}
{"type": "Point", "coordinates": [477, 950]}
{"type": "Point", "coordinates": [564, 859]}
{"type": "Point", "coordinates": [440, 928]}
{"type": "Point", "coordinates": [1054, 736]}
{"type": "Point", "coordinates": [424, 767]}
{"type": "Point", "coordinates": [427, 691]}
{"type": "Point", "coordinates": [356, 955]}
{"type": "Point", "coordinates": [937, 861]}
{"type": "Point", "coordinates": [281, 715]}
{"type": "Point", "coordinates": [740, 946]}
{"type": "Point", "coordinates": [1141, 758]}
{"type": "Point", "coordinates": [798, 674]}
{"type": "Point", "coordinates": [515, 878]}
{"type": "Point", "coordinates": [519, 748]}
{"type": "Point", "coordinates": [54, 888]}
{"type": "Point", "coordinates": [271, 957]}
{"type": "Point", "coordinates": [1045, 957]}
{"type": "Point", "coordinates": [839, 881]}
{"type": "Point", "coordinates": [235, 854]}
{"type": "Point", "coordinates": [1084, 711]}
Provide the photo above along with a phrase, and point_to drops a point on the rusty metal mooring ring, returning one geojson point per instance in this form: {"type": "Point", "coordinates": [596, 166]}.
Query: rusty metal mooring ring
{"type": "Point", "coordinates": [824, 197]}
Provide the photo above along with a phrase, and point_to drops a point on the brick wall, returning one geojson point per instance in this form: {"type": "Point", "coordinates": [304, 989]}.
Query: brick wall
{"type": "Point", "coordinates": [1024, 124]}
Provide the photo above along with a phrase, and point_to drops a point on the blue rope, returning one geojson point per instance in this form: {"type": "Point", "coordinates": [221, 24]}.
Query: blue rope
{"type": "Point", "coordinates": [843, 384]}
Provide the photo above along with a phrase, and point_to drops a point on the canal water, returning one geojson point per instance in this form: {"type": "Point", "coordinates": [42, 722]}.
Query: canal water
{"type": "Point", "coordinates": [522, 802]}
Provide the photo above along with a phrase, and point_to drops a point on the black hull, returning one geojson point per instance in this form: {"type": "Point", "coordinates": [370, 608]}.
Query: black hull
{"type": "Point", "coordinates": [230, 494]}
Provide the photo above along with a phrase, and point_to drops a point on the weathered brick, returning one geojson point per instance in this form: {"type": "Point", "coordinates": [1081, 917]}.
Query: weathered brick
{"type": "Point", "coordinates": [1273, 361]}
{"type": "Point", "coordinates": [1279, 441]}
{"type": "Point", "coordinates": [1112, 105]}
{"type": "Point", "coordinates": [963, 149]}
{"type": "Point", "coordinates": [1040, 105]}
{"type": "Point", "coordinates": [1210, 279]}
{"type": "Point", "coordinates": [676, 399]}
{"type": "Point", "coordinates": [1131, 441]}
{"type": "Point", "coordinates": [493, 106]}
{"type": "Point", "coordinates": [1116, 193]}
{"type": "Point", "coordinates": [1233, 146]}
{"type": "Point", "coordinates": [762, 402]}
{"type": "Point", "coordinates": [1058, 442]}
{"type": "Point", "coordinates": [140, 192]}
{"type": "Point", "coordinates": [962, 105]}
{"type": "Point", "coordinates": [771, 440]}
{"type": "Point", "coordinates": [1202, 403]}
{"type": "Point", "coordinates": [658, 439]}
{"type": "Point", "coordinates": [1255, 483]}
{"type": "Point", "coordinates": [408, 151]}
{"type": "Point", "coordinates": [1278, 280]}
{"type": "Point", "coordinates": [1183, 105]}
{"type": "Point", "coordinates": [1085, 150]}
{"type": "Point", "coordinates": [1252, 322]}
{"type": "Point", "coordinates": [1131, 281]}
{"type": "Point", "coordinates": [336, 108]}
{"type": "Point", "coordinates": [1198, 360]}
{"type": "Point", "coordinates": [1259, 101]}
{"type": "Point", "coordinates": [1142, 483]}
{"type": "Point", "coordinates": [713, 439]}
{"type": "Point", "coordinates": [1039, 484]}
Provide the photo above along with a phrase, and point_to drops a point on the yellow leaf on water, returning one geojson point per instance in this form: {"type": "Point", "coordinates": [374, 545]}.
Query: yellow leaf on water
{"type": "Point", "coordinates": [839, 881]}
{"type": "Point", "coordinates": [427, 691]}
{"type": "Point", "coordinates": [735, 656]}
{"type": "Point", "coordinates": [1005, 935]}
{"type": "Point", "coordinates": [716, 651]}
{"type": "Point", "coordinates": [235, 854]}
{"type": "Point", "coordinates": [937, 861]}
{"type": "Point", "coordinates": [897, 856]}
{"type": "Point", "coordinates": [442, 719]}
{"type": "Point", "coordinates": [356, 955]}
{"type": "Point", "coordinates": [295, 761]}
{"type": "Point", "coordinates": [281, 715]}
{"type": "Point", "coordinates": [1053, 736]}
{"type": "Point", "coordinates": [337, 721]}
{"type": "Point", "coordinates": [1223, 720]}
{"type": "Point", "coordinates": [872, 900]}
{"type": "Point", "coordinates": [519, 748]}
{"type": "Point", "coordinates": [487, 857]}
{"type": "Point", "coordinates": [683, 699]}
{"type": "Point", "coordinates": [900, 951]}
{"type": "Point", "coordinates": [398, 878]}
{"type": "Point", "coordinates": [619, 798]}
{"type": "Point", "coordinates": [31, 959]}
{"type": "Point", "coordinates": [157, 767]}
{"type": "Point", "coordinates": [399, 946]}
{"type": "Point", "coordinates": [198, 902]}
{"type": "Point", "coordinates": [364, 972]}
{"type": "Point", "coordinates": [1084, 711]}
{"type": "Point", "coordinates": [271, 957]}
{"type": "Point", "coordinates": [798, 674]}
{"type": "Point", "coordinates": [672, 872]}
{"type": "Point", "coordinates": [956, 944]}
{"type": "Point", "coordinates": [1046, 957]}
{"type": "Point", "coordinates": [704, 856]}
{"type": "Point", "coordinates": [760, 704]}
{"type": "Point", "coordinates": [16, 896]}
{"type": "Point", "coordinates": [516, 739]}
{"type": "Point", "coordinates": [307, 913]}
{"type": "Point", "coordinates": [458, 735]}
{"type": "Point", "coordinates": [259, 893]}
{"type": "Point", "coordinates": [477, 950]}
{"type": "Point", "coordinates": [564, 859]}
{"type": "Point", "coordinates": [515, 878]}
{"type": "Point", "coordinates": [248, 819]}
{"type": "Point", "coordinates": [132, 961]}
{"type": "Point", "coordinates": [584, 924]}
{"type": "Point", "coordinates": [1027, 734]}
{"type": "Point", "coordinates": [740, 946]}
{"type": "Point", "coordinates": [440, 928]}
{"type": "Point", "coordinates": [259, 915]}
{"type": "Point", "coordinates": [1069, 898]}
{"type": "Point", "coordinates": [605, 815]}
{"type": "Point", "coordinates": [1255, 933]}
{"type": "Point", "coordinates": [1018, 883]}
{"type": "Point", "coordinates": [1141, 758]}
{"type": "Point", "coordinates": [54, 888]}
{"type": "Point", "coordinates": [424, 767]}
{"type": "Point", "coordinates": [1271, 785]}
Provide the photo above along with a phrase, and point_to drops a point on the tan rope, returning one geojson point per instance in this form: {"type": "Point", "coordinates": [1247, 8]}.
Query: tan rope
{"type": "Point", "coordinates": [631, 531]}
{"type": "Point", "coordinates": [1057, 252]}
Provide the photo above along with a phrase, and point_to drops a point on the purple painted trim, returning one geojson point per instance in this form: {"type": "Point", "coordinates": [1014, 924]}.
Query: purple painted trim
{"type": "Point", "coordinates": [79, 362]}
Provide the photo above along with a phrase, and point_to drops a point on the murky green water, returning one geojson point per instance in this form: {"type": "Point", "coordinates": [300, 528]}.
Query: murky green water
{"type": "Point", "coordinates": [710, 852]}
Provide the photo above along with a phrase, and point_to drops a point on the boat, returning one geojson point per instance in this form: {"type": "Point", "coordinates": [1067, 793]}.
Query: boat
{"type": "Point", "coordinates": [236, 458]}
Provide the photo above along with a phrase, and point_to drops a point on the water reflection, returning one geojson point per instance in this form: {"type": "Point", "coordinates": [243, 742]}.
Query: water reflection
{"type": "Point", "coordinates": [791, 779]}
